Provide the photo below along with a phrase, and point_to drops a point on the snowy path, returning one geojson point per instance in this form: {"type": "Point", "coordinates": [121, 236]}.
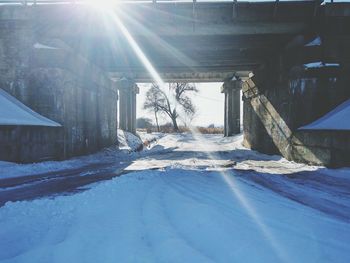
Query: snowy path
{"type": "Point", "coordinates": [59, 182]}
{"type": "Point", "coordinates": [196, 202]}
{"type": "Point", "coordinates": [323, 189]}
{"type": "Point", "coordinates": [20, 182]}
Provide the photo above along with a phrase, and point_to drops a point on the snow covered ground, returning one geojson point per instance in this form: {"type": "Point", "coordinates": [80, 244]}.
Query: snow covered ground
{"type": "Point", "coordinates": [189, 198]}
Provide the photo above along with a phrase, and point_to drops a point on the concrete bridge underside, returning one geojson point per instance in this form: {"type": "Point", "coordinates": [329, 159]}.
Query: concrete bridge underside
{"type": "Point", "coordinates": [192, 42]}
{"type": "Point", "coordinates": [183, 41]}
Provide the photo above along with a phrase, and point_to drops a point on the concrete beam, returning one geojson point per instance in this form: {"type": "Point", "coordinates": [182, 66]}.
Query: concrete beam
{"type": "Point", "coordinates": [173, 76]}
{"type": "Point", "coordinates": [202, 30]}
{"type": "Point", "coordinates": [167, 19]}
{"type": "Point", "coordinates": [212, 39]}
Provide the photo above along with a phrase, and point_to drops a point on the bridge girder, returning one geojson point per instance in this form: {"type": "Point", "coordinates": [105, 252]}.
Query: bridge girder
{"type": "Point", "coordinates": [184, 40]}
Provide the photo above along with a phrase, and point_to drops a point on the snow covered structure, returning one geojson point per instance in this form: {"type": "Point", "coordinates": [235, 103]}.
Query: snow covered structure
{"type": "Point", "coordinates": [328, 137]}
{"type": "Point", "coordinates": [308, 80]}
{"type": "Point", "coordinates": [323, 135]}
{"type": "Point", "coordinates": [24, 134]}
{"type": "Point", "coordinates": [281, 104]}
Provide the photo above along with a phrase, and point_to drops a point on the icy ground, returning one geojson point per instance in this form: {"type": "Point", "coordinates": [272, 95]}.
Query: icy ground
{"type": "Point", "coordinates": [190, 198]}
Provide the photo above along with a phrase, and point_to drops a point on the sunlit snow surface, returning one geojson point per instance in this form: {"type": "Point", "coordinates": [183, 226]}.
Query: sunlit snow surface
{"type": "Point", "coordinates": [192, 208]}
{"type": "Point", "coordinates": [337, 119]}
{"type": "Point", "coordinates": [13, 112]}
{"type": "Point", "coordinates": [128, 141]}
{"type": "Point", "coordinates": [315, 42]}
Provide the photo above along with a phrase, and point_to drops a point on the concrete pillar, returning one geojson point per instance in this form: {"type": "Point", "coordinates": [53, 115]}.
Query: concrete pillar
{"type": "Point", "coordinates": [232, 107]}
{"type": "Point", "coordinates": [127, 105]}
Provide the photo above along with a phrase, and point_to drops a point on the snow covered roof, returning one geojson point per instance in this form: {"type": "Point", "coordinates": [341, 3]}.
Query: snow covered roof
{"type": "Point", "coordinates": [337, 119]}
{"type": "Point", "coordinates": [13, 112]}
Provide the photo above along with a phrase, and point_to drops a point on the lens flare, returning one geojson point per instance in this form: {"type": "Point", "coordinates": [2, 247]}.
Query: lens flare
{"type": "Point", "coordinates": [228, 179]}
{"type": "Point", "coordinates": [143, 58]}
{"type": "Point", "coordinates": [238, 194]}
{"type": "Point", "coordinates": [140, 54]}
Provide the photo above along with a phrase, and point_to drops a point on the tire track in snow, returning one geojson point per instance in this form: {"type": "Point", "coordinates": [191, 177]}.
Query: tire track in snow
{"type": "Point", "coordinates": [184, 237]}
{"type": "Point", "coordinates": [216, 230]}
{"type": "Point", "coordinates": [165, 237]}
{"type": "Point", "coordinates": [202, 197]}
{"type": "Point", "coordinates": [233, 209]}
{"type": "Point", "coordinates": [143, 216]}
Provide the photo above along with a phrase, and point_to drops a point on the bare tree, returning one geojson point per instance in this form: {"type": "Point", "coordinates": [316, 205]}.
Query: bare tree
{"type": "Point", "coordinates": [158, 101]}
{"type": "Point", "coordinates": [153, 96]}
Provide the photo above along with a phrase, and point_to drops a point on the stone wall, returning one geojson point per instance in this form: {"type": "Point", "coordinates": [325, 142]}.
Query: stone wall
{"type": "Point", "coordinates": [16, 41]}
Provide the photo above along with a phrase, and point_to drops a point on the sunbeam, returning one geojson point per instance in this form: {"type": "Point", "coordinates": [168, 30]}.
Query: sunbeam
{"type": "Point", "coordinates": [170, 49]}
{"type": "Point", "coordinates": [140, 54]}
{"type": "Point", "coordinates": [237, 193]}
{"type": "Point", "coordinates": [229, 180]}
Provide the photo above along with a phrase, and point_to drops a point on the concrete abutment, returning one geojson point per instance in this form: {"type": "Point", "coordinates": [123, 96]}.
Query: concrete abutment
{"type": "Point", "coordinates": [278, 103]}
{"type": "Point", "coordinates": [63, 86]}
{"type": "Point", "coordinates": [127, 104]}
{"type": "Point", "coordinates": [231, 89]}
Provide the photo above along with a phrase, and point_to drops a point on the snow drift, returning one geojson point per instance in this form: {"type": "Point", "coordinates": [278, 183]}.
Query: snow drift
{"type": "Point", "coordinates": [13, 112]}
{"type": "Point", "coordinates": [337, 119]}
{"type": "Point", "coordinates": [129, 141]}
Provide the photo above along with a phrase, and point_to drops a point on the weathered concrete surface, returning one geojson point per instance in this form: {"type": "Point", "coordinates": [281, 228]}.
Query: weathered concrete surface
{"type": "Point", "coordinates": [277, 106]}
{"type": "Point", "coordinates": [200, 42]}
{"type": "Point", "coordinates": [192, 41]}
{"type": "Point", "coordinates": [184, 41]}
{"type": "Point", "coordinates": [29, 144]}
{"type": "Point", "coordinates": [87, 112]}
{"type": "Point", "coordinates": [60, 85]}
{"type": "Point", "coordinates": [287, 96]}
{"type": "Point", "coordinates": [127, 105]}
{"type": "Point", "coordinates": [322, 147]}
{"type": "Point", "coordinates": [232, 118]}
